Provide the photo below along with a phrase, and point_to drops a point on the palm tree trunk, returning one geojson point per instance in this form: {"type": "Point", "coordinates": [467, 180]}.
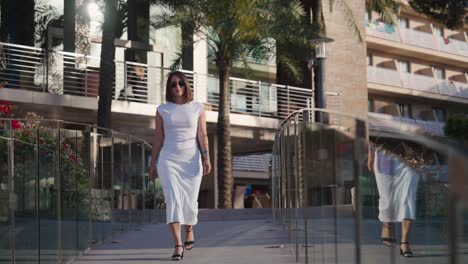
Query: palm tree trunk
{"type": "Point", "coordinates": [107, 66]}
{"type": "Point", "coordinates": [225, 180]}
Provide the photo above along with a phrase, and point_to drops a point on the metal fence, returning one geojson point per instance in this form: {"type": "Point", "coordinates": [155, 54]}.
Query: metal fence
{"type": "Point", "coordinates": [66, 187]}
{"type": "Point", "coordinates": [333, 188]}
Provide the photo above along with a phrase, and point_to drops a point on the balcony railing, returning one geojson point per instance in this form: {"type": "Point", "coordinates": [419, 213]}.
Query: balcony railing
{"type": "Point", "coordinates": [58, 72]}
{"type": "Point", "coordinates": [260, 98]}
{"type": "Point", "coordinates": [417, 38]}
{"type": "Point", "coordinates": [396, 124]}
{"type": "Point", "coordinates": [255, 162]}
{"type": "Point", "coordinates": [416, 82]}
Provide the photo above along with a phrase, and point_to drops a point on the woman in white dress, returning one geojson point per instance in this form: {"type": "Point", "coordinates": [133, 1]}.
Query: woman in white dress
{"type": "Point", "coordinates": [397, 184]}
{"type": "Point", "coordinates": [176, 159]}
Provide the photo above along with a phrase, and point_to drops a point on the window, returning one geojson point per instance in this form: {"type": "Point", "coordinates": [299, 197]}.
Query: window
{"type": "Point", "coordinates": [439, 114]}
{"type": "Point", "coordinates": [368, 16]}
{"type": "Point", "coordinates": [439, 73]}
{"type": "Point", "coordinates": [404, 66]}
{"type": "Point", "coordinates": [438, 31]}
{"type": "Point", "coordinates": [370, 105]}
{"type": "Point", "coordinates": [369, 59]}
{"type": "Point", "coordinates": [404, 22]}
{"type": "Point", "coordinates": [405, 110]}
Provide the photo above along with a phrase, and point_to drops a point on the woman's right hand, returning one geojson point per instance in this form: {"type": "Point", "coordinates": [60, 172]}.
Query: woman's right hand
{"type": "Point", "coordinates": [153, 172]}
{"type": "Point", "coordinates": [370, 166]}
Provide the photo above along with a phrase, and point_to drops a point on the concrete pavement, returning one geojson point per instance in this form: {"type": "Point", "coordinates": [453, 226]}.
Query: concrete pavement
{"type": "Point", "coordinates": [239, 241]}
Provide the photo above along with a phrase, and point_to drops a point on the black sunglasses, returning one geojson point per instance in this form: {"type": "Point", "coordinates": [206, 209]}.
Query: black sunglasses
{"type": "Point", "coordinates": [174, 84]}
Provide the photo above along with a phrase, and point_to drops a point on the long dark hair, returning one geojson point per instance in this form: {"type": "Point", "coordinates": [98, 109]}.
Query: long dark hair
{"type": "Point", "coordinates": [188, 91]}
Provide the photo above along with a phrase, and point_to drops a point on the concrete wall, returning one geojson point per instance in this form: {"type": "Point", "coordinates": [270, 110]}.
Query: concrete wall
{"type": "Point", "coordinates": [345, 66]}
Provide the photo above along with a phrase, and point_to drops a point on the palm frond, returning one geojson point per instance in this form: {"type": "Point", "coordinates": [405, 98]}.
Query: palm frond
{"type": "Point", "coordinates": [177, 63]}
{"type": "Point", "coordinates": [350, 19]}
{"type": "Point", "coordinates": [291, 67]}
{"type": "Point", "coordinates": [387, 9]}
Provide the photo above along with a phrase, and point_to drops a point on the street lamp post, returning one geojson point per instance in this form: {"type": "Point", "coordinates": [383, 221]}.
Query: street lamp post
{"type": "Point", "coordinates": [320, 56]}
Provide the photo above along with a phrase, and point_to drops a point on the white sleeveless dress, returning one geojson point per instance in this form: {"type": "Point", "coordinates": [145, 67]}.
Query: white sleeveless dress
{"type": "Point", "coordinates": [179, 164]}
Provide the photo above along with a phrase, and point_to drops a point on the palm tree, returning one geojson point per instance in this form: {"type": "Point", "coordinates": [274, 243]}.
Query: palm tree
{"type": "Point", "coordinates": [107, 66]}
{"type": "Point", "coordinates": [233, 29]}
{"type": "Point", "coordinates": [450, 13]}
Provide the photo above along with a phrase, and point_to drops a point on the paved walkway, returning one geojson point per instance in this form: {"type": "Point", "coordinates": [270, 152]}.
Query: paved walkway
{"type": "Point", "coordinates": [228, 239]}
{"type": "Point", "coordinates": [250, 237]}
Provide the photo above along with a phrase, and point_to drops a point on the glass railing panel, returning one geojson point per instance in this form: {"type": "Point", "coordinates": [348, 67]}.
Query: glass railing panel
{"type": "Point", "coordinates": [47, 133]}
{"type": "Point", "coordinates": [462, 239]}
{"type": "Point", "coordinates": [6, 220]}
{"type": "Point", "coordinates": [25, 194]}
{"type": "Point", "coordinates": [71, 176]}
{"type": "Point", "coordinates": [58, 190]}
{"type": "Point", "coordinates": [321, 224]}
{"type": "Point", "coordinates": [121, 154]}
{"type": "Point", "coordinates": [136, 184]}
{"type": "Point", "coordinates": [96, 193]}
{"type": "Point", "coordinates": [83, 186]}
{"type": "Point", "coordinates": [106, 146]}
{"type": "Point", "coordinates": [148, 187]}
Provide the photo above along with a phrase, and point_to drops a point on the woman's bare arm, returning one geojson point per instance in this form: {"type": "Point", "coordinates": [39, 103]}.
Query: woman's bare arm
{"type": "Point", "coordinates": [158, 138]}
{"type": "Point", "coordinates": [370, 158]}
{"type": "Point", "coordinates": [202, 135]}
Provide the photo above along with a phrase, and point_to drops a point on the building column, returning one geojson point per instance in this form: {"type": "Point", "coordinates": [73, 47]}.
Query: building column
{"type": "Point", "coordinates": [69, 14]}
{"type": "Point", "coordinates": [200, 67]}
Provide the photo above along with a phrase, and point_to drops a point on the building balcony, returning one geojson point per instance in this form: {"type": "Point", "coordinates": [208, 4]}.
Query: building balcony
{"type": "Point", "coordinates": [392, 81]}
{"type": "Point", "coordinates": [384, 123]}
{"type": "Point", "coordinates": [60, 73]}
{"type": "Point", "coordinates": [412, 41]}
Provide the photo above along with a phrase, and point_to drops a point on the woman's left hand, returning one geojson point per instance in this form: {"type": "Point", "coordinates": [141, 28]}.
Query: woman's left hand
{"type": "Point", "coordinates": [206, 167]}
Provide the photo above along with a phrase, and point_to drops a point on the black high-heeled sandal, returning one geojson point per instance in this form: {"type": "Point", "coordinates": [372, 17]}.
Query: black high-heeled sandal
{"type": "Point", "coordinates": [388, 241]}
{"type": "Point", "coordinates": [189, 243]}
{"type": "Point", "coordinates": [178, 256]}
{"type": "Point", "coordinates": [407, 253]}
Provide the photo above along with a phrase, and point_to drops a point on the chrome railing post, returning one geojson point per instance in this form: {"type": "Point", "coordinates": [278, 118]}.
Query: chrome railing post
{"type": "Point", "coordinates": [143, 185]}
{"type": "Point", "coordinates": [125, 80]}
{"type": "Point", "coordinates": [37, 196]}
{"type": "Point", "coordinates": [91, 176]}
{"type": "Point", "coordinates": [11, 187]}
{"type": "Point", "coordinates": [86, 75]}
{"type": "Point", "coordinates": [287, 100]}
{"type": "Point", "coordinates": [259, 84]}
{"type": "Point", "coordinates": [129, 178]}
{"type": "Point", "coordinates": [296, 183]}
{"type": "Point", "coordinates": [305, 120]}
{"type": "Point", "coordinates": [58, 191]}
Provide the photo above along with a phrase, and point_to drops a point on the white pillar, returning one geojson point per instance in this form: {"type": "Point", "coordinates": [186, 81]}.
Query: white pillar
{"type": "Point", "coordinates": [154, 78]}
{"type": "Point", "coordinates": [200, 67]}
{"type": "Point", "coordinates": [119, 70]}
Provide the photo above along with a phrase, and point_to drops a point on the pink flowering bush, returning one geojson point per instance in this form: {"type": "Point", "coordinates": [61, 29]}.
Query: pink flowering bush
{"type": "Point", "coordinates": [33, 137]}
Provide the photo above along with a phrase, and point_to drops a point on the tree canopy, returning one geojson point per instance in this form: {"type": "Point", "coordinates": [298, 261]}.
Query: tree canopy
{"type": "Point", "coordinates": [451, 13]}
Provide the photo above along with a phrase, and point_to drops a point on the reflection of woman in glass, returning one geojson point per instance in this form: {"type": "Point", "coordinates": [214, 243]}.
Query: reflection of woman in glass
{"type": "Point", "coordinates": [397, 185]}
